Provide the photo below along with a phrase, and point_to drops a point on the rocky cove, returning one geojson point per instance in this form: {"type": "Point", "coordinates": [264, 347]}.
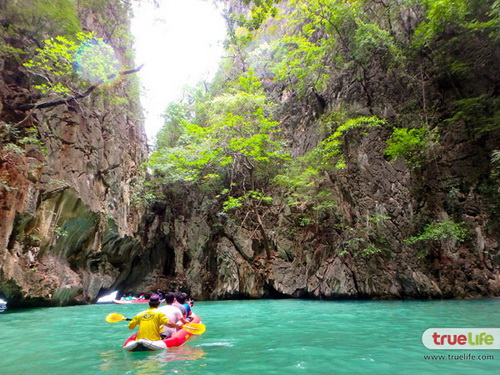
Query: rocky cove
{"type": "Point", "coordinates": [73, 225]}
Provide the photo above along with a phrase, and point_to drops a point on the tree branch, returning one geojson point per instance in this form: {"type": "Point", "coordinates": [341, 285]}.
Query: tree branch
{"type": "Point", "coordinates": [74, 97]}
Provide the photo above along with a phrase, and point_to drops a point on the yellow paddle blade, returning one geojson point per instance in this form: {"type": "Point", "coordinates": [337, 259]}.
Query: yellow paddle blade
{"type": "Point", "coordinates": [114, 317]}
{"type": "Point", "coordinates": [195, 328]}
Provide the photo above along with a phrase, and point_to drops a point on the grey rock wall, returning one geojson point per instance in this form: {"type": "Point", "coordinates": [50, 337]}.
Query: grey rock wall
{"type": "Point", "coordinates": [68, 223]}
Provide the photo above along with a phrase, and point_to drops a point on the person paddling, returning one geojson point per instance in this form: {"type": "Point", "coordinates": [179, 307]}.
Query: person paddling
{"type": "Point", "coordinates": [150, 321]}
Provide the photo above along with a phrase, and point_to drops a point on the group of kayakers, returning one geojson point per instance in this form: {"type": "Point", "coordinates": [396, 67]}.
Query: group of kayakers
{"type": "Point", "coordinates": [160, 322]}
{"type": "Point", "coordinates": [130, 297]}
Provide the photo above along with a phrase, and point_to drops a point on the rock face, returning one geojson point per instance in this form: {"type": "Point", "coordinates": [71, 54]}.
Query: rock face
{"type": "Point", "coordinates": [69, 228]}
{"type": "Point", "coordinates": [68, 222]}
{"type": "Point", "coordinates": [196, 247]}
{"type": "Point", "coordinates": [215, 257]}
{"type": "Point", "coordinates": [358, 248]}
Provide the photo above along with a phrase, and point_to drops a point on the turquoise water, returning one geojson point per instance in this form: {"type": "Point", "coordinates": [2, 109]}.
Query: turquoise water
{"type": "Point", "coordinates": [251, 337]}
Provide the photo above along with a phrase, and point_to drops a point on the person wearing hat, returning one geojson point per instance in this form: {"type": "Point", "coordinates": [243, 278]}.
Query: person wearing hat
{"type": "Point", "coordinates": [150, 321]}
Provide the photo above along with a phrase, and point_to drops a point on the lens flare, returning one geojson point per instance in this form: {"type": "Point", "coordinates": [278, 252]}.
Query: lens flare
{"type": "Point", "coordinates": [97, 63]}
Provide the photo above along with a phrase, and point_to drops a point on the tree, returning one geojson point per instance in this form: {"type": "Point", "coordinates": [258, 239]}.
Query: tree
{"type": "Point", "coordinates": [234, 150]}
{"type": "Point", "coordinates": [325, 38]}
{"type": "Point", "coordinates": [65, 66]}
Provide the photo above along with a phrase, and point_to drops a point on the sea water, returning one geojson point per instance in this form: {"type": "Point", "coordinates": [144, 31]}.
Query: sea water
{"type": "Point", "coordinates": [253, 337]}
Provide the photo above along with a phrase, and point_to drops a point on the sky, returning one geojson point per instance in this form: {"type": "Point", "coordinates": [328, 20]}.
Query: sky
{"type": "Point", "coordinates": [180, 44]}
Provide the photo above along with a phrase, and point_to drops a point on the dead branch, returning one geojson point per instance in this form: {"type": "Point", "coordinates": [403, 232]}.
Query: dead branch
{"type": "Point", "coordinates": [74, 97]}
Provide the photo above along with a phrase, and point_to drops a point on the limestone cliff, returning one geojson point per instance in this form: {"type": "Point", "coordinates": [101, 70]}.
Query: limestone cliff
{"type": "Point", "coordinates": [69, 228]}
{"type": "Point", "coordinates": [360, 246]}
{"type": "Point", "coordinates": [67, 218]}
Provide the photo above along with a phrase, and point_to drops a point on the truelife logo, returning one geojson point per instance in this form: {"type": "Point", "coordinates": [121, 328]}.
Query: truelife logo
{"type": "Point", "coordinates": [462, 338]}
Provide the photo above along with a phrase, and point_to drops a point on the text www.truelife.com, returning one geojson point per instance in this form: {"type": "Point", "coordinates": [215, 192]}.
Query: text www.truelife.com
{"type": "Point", "coordinates": [459, 357]}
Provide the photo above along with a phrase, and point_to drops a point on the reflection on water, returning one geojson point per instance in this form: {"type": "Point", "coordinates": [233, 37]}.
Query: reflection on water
{"type": "Point", "coordinates": [149, 367]}
{"type": "Point", "coordinates": [153, 363]}
{"type": "Point", "coordinates": [186, 353]}
{"type": "Point", "coordinates": [108, 357]}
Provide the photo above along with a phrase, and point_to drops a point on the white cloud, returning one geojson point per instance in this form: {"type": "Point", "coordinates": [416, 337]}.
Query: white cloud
{"type": "Point", "coordinates": [180, 43]}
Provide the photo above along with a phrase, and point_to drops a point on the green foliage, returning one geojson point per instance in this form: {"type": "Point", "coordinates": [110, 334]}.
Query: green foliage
{"type": "Point", "coordinates": [143, 193]}
{"type": "Point", "coordinates": [249, 83]}
{"type": "Point", "coordinates": [238, 130]}
{"type": "Point", "coordinates": [481, 112]}
{"type": "Point", "coordinates": [370, 249]}
{"type": "Point", "coordinates": [233, 143]}
{"type": "Point", "coordinates": [457, 16]}
{"type": "Point", "coordinates": [240, 27]}
{"type": "Point", "coordinates": [329, 151]}
{"type": "Point", "coordinates": [55, 63]}
{"type": "Point", "coordinates": [411, 144]}
{"type": "Point", "coordinates": [42, 17]}
{"type": "Point", "coordinates": [489, 190]}
{"type": "Point", "coordinates": [175, 117]}
{"type": "Point", "coordinates": [59, 231]}
{"type": "Point", "coordinates": [260, 10]}
{"type": "Point", "coordinates": [12, 148]}
{"type": "Point", "coordinates": [96, 61]}
{"type": "Point", "coordinates": [224, 143]}
{"type": "Point", "coordinates": [304, 186]}
{"type": "Point", "coordinates": [441, 230]}
{"type": "Point", "coordinates": [440, 15]}
{"type": "Point", "coordinates": [365, 238]}
{"type": "Point", "coordinates": [15, 140]}
{"type": "Point", "coordinates": [9, 51]}
{"type": "Point", "coordinates": [495, 159]}
{"type": "Point", "coordinates": [459, 37]}
{"type": "Point", "coordinates": [371, 40]}
{"type": "Point", "coordinates": [378, 218]}
{"type": "Point", "coordinates": [299, 177]}
{"type": "Point", "coordinates": [32, 137]}
{"type": "Point", "coordinates": [97, 6]}
{"type": "Point", "coordinates": [301, 63]}
{"type": "Point", "coordinates": [359, 246]}
{"type": "Point", "coordinates": [304, 179]}
{"type": "Point", "coordinates": [233, 203]}
{"type": "Point", "coordinates": [333, 36]}
{"type": "Point", "coordinates": [9, 132]}
{"type": "Point", "coordinates": [495, 172]}
{"type": "Point", "coordinates": [55, 59]}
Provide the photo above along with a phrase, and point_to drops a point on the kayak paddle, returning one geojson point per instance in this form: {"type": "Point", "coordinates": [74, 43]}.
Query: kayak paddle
{"type": "Point", "coordinates": [193, 328]}
{"type": "Point", "coordinates": [114, 317]}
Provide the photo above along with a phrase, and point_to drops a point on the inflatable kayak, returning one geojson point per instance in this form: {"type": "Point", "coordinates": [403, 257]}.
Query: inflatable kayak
{"type": "Point", "coordinates": [108, 298]}
{"type": "Point", "coordinates": [3, 305]}
{"type": "Point", "coordinates": [128, 301]}
{"type": "Point", "coordinates": [177, 339]}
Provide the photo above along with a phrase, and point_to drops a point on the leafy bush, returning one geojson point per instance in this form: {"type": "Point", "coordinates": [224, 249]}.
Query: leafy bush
{"type": "Point", "coordinates": [42, 17]}
{"type": "Point", "coordinates": [329, 150]}
{"type": "Point", "coordinates": [481, 112]}
{"type": "Point", "coordinates": [60, 61]}
{"type": "Point", "coordinates": [411, 144]}
{"type": "Point", "coordinates": [441, 230]}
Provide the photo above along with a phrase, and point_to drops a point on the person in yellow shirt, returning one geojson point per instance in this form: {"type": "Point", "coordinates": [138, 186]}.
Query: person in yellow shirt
{"type": "Point", "coordinates": [150, 321]}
